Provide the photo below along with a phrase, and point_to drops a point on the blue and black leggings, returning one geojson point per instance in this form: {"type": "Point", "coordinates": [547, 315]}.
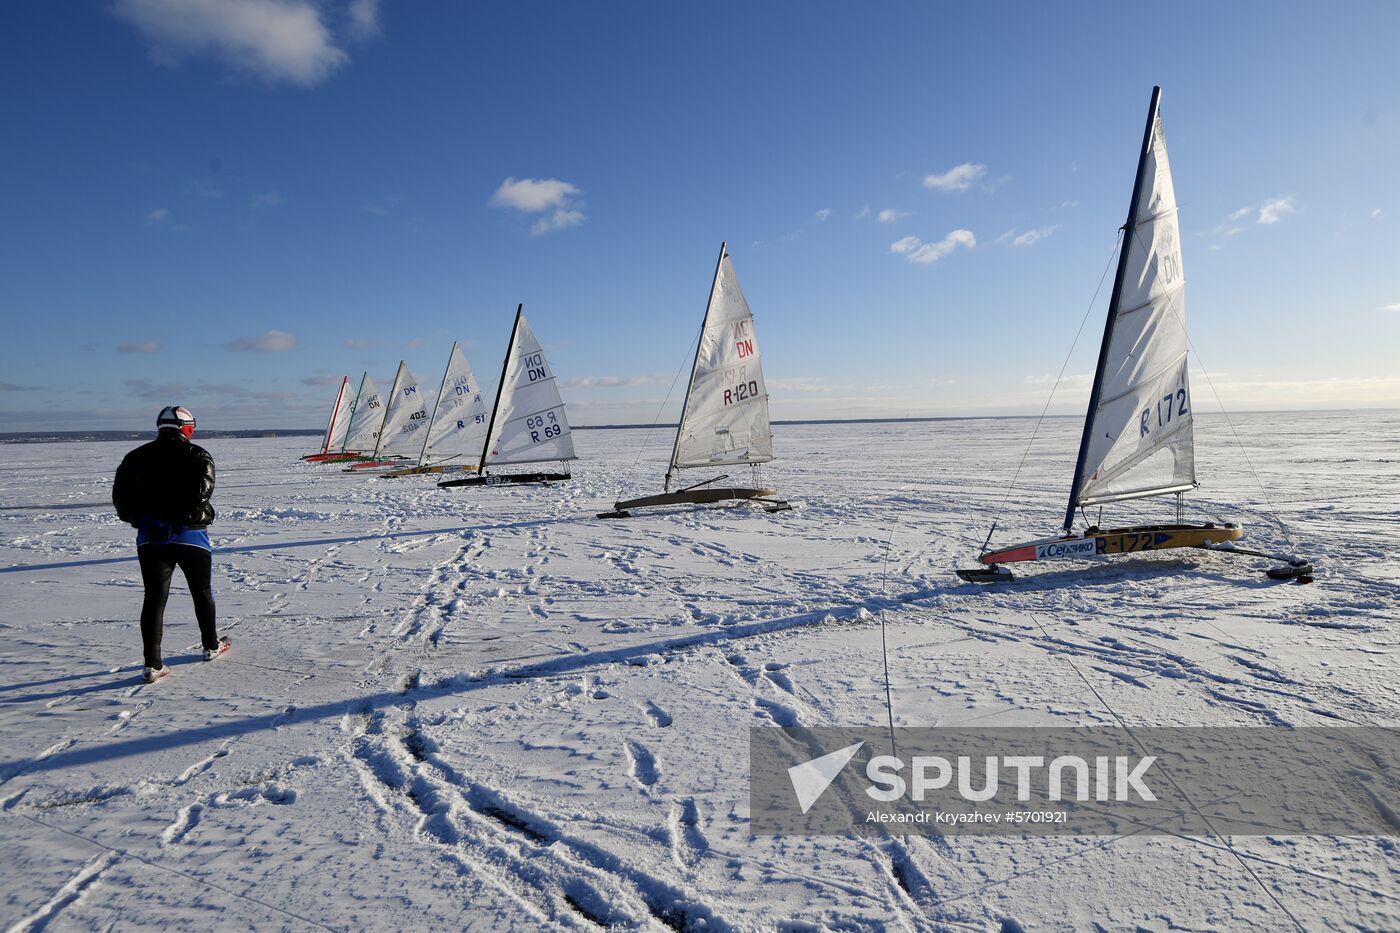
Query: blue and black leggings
{"type": "Point", "coordinates": [158, 562]}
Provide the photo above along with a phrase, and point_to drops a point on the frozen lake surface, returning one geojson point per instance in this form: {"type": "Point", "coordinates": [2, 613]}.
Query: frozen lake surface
{"type": "Point", "coordinates": [457, 708]}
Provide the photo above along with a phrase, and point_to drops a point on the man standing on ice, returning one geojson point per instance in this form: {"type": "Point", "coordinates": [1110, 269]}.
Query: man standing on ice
{"type": "Point", "coordinates": [163, 489]}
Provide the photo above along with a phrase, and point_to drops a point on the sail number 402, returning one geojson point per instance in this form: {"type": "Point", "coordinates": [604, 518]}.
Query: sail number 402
{"type": "Point", "coordinates": [1171, 404]}
{"type": "Point", "coordinates": [741, 392]}
{"type": "Point", "coordinates": [543, 426]}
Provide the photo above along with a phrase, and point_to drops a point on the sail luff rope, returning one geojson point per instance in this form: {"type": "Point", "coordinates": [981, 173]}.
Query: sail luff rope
{"type": "Point", "coordinates": [1063, 366]}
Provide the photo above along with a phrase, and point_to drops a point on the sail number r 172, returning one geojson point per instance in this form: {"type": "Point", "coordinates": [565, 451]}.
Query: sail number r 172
{"type": "Point", "coordinates": [1170, 404]}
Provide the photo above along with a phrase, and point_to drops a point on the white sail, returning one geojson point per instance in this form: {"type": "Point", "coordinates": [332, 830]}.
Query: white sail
{"type": "Point", "coordinates": [529, 424]}
{"type": "Point", "coordinates": [406, 417]}
{"type": "Point", "coordinates": [366, 415]}
{"type": "Point", "coordinates": [725, 419]}
{"type": "Point", "coordinates": [1140, 434]}
{"type": "Point", "coordinates": [340, 418]}
{"type": "Point", "coordinates": [459, 420]}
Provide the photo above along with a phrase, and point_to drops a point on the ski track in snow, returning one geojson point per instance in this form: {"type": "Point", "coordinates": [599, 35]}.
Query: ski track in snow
{"type": "Point", "coordinates": [493, 692]}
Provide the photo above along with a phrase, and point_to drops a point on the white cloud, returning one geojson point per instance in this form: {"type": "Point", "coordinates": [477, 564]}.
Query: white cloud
{"type": "Point", "coordinates": [863, 213]}
{"type": "Point", "coordinates": [957, 178]}
{"type": "Point", "coordinates": [1393, 309]}
{"type": "Point", "coordinates": [807, 384]}
{"type": "Point", "coordinates": [1274, 208]}
{"type": "Point", "coordinates": [606, 382]}
{"type": "Point", "coordinates": [275, 40]}
{"type": "Point", "coordinates": [323, 379]}
{"type": "Point", "coordinates": [159, 216]}
{"type": "Point", "coordinates": [364, 19]}
{"type": "Point", "coordinates": [1376, 214]}
{"type": "Point", "coordinates": [823, 214]}
{"type": "Point", "coordinates": [561, 219]}
{"type": "Point", "coordinates": [1066, 205]}
{"type": "Point", "coordinates": [369, 343]}
{"type": "Point", "coordinates": [538, 195]}
{"type": "Point", "coordinates": [1240, 214]}
{"type": "Point", "coordinates": [267, 199]}
{"type": "Point", "coordinates": [916, 251]}
{"type": "Point", "coordinates": [383, 207]}
{"type": "Point", "coordinates": [138, 346]}
{"type": "Point", "coordinates": [274, 341]}
{"type": "Point", "coordinates": [533, 194]}
{"type": "Point", "coordinates": [1072, 380]}
{"type": "Point", "coordinates": [889, 215]}
{"type": "Point", "coordinates": [201, 187]}
{"type": "Point", "coordinates": [1031, 237]}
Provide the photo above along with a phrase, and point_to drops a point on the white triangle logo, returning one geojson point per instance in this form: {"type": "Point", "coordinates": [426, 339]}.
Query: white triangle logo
{"type": "Point", "coordinates": [811, 778]}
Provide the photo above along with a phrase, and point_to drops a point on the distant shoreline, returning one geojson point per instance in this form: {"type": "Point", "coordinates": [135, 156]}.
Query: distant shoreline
{"type": "Point", "coordinates": [49, 437]}
{"type": "Point", "coordinates": [40, 437]}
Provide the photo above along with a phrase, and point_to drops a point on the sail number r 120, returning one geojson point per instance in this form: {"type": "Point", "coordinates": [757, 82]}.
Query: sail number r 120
{"type": "Point", "coordinates": [741, 392]}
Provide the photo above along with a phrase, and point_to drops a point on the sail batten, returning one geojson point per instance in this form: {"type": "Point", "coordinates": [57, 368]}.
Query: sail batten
{"type": "Point", "coordinates": [724, 419]}
{"type": "Point", "coordinates": [1138, 438]}
{"type": "Point", "coordinates": [1134, 388]}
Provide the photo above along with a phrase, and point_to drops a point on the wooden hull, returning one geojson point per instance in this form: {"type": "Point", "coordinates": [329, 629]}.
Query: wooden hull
{"type": "Point", "coordinates": [507, 479]}
{"type": "Point", "coordinates": [1133, 540]}
{"type": "Point", "coordinates": [702, 496]}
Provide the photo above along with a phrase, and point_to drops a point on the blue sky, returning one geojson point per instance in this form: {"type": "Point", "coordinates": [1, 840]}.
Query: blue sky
{"type": "Point", "coordinates": [230, 203]}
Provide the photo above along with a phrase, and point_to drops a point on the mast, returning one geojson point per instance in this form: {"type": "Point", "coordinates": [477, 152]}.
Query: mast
{"type": "Point", "coordinates": [354, 407]}
{"type": "Point", "coordinates": [1097, 392]}
{"type": "Point", "coordinates": [393, 397]}
{"type": "Point", "coordinates": [500, 389]}
{"type": "Point", "coordinates": [335, 410]}
{"type": "Point", "coordinates": [680, 422]}
{"type": "Point", "coordinates": [428, 433]}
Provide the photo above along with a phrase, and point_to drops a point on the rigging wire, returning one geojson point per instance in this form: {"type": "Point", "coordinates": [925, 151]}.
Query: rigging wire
{"type": "Point", "coordinates": [884, 645]}
{"type": "Point", "coordinates": [884, 570]}
{"type": "Point", "coordinates": [1181, 319]}
{"type": "Point", "coordinates": [656, 419]}
{"type": "Point", "coordinates": [1063, 366]}
{"type": "Point", "coordinates": [1136, 741]}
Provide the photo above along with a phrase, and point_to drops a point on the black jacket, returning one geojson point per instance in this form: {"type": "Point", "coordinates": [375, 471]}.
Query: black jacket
{"type": "Point", "coordinates": [169, 480]}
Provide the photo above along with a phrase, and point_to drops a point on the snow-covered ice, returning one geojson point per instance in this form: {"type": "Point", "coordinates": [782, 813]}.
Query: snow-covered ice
{"type": "Point", "coordinates": [458, 708]}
